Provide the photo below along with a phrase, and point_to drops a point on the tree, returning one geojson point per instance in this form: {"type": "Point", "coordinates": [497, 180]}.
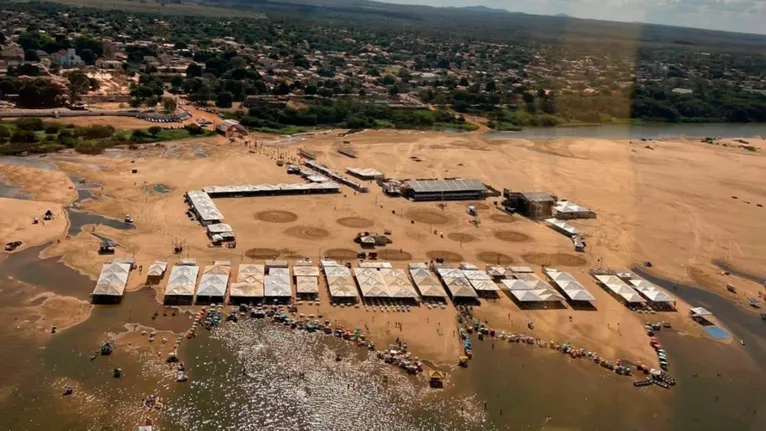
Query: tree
{"type": "Point", "coordinates": [31, 55]}
{"type": "Point", "coordinates": [389, 80]}
{"type": "Point", "coordinates": [169, 104]}
{"type": "Point", "coordinates": [88, 56]}
{"type": "Point", "coordinates": [491, 87]}
{"type": "Point", "coordinates": [193, 70]}
{"type": "Point", "coordinates": [282, 88]}
{"type": "Point", "coordinates": [393, 90]}
{"type": "Point", "coordinates": [7, 87]}
{"type": "Point", "coordinates": [180, 45]}
{"type": "Point", "coordinates": [224, 99]}
{"type": "Point", "coordinates": [55, 68]}
{"type": "Point", "coordinates": [79, 83]}
{"type": "Point", "coordinates": [30, 124]}
{"type": "Point", "coordinates": [23, 136]}
{"type": "Point", "coordinates": [154, 130]}
{"type": "Point", "coordinates": [464, 82]}
{"type": "Point", "coordinates": [193, 129]}
{"type": "Point", "coordinates": [311, 89]}
{"type": "Point", "coordinates": [528, 97]}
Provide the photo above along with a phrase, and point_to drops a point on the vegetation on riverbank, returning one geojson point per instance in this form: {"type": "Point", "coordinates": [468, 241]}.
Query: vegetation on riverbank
{"type": "Point", "coordinates": [33, 135]}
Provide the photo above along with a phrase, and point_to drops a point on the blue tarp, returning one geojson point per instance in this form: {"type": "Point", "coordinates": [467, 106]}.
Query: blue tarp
{"type": "Point", "coordinates": [717, 332]}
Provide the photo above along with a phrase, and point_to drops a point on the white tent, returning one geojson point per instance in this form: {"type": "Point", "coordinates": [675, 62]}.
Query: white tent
{"type": "Point", "coordinates": [371, 283]}
{"type": "Point", "coordinates": [460, 287]}
{"type": "Point", "coordinates": [520, 269]}
{"type": "Point", "coordinates": [113, 279]}
{"type": "Point", "coordinates": [534, 281]}
{"type": "Point", "coordinates": [376, 264]}
{"type": "Point", "coordinates": [525, 291]}
{"type": "Point", "coordinates": [562, 227]}
{"type": "Point", "coordinates": [305, 271]}
{"type": "Point", "coordinates": [250, 273]}
{"type": "Point", "coordinates": [337, 271]}
{"type": "Point", "coordinates": [246, 290]}
{"type": "Point", "coordinates": [476, 274]}
{"type": "Point", "coordinates": [182, 280]}
{"type": "Point", "coordinates": [342, 286]}
{"type": "Point", "coordinates": [214, 280]}
{"type": "Point", "coordinates": [398, 283]}
{"type": "Point", "coordinates": [496, 271]}
{"type": "Point", "coordinates": [572, 288]}
{"type": "Point", "coordinates": [700, 312]}
{"type": "Point", "coordinates": [620, 288]}
{"type": "Point", "coordinates": [277, 286]}
{"type": "Point", "coordinates": [306, 284]}
{"type": "Point", "coordinates": [426, 282]}
{"type": "Point", "coordinates": [157, 269]}
{"type": "Point", "coordinates": [480, 280]}
{"type": "Point", "coordinates": [651, 292]}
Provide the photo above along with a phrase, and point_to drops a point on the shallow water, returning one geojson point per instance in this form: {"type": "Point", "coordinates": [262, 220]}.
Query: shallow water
{"type": "Point", "coordinates": [79, 219]}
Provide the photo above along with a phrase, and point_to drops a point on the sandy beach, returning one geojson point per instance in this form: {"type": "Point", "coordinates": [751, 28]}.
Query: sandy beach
{"type": "Point", "coordinates": [667, 202]}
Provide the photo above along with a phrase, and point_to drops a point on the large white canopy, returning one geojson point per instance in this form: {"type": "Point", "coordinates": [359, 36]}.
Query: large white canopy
{"type": "Point", "coordinates": [214, 281]}
{"type": "Point", "coordinates": [341, 286]}
{"type": "Point", "coordinates": [619, 287]}
{"type": "Point", "coordinates": [426, 282]}
{"type": "Point", "coordinates": [306, 284]}
{"type": "Point", "coordinates": [572, 288]}
{"type": "Point", "coordinates": [182, 280]}
{"type": "Point", "coordinates": [113, 279]}
{"type": "Point", "coordinates": [371, 283]}
{"type": "Point", "coordinates": [523, 291]}
{"type": "Point", "coordinates": [651, 292]}
{"type": "Point", "coordinates": [398, 283]}
{"type": "Point", "coordinates": [246, 290]}
{"type": "Point", "coordinates": [250, 273]}
{"type": "Point", "coordinates": [460, 287]}
{"type": "Point", "coordinates": [277, 286]}
{"type": "Point", "coordinates": [157, 269]}
{"type": "Point", "coordinates": [305, 271]}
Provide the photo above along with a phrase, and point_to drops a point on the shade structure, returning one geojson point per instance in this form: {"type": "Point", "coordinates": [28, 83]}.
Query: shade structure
{"type": "Point", "coordinates": [480, 280]}
{"type": "Point", "coordinates": [460, 288]}
{"type": "Point", "coordinates": [251, 273]}
{"type": "Point", "coordinates": [305, 271]}
{"type": "Point", "coordinates": [562, 226]}
{"type": "Point", "coordinates": [520, 269]}
{"type": "Point", "coordinates": [342, 287]}
{"type": "Point", "coordinates": [246, 290]}
{"type": "Point", "coordinates": [571, 288]}
{"type": "Point", "coordinates": [214, 280]}
{"type": "Point", "coordinates": [619, 288]}
{"type": "Point", "coordinates": [113, 279]}
{"type": "Point", "coordinates": [496, 271]}
{"type": "Point", "coordinates": [426, 281]}
{"type": "Point", "coordinates": [204, 207]}
{"type": "Point", "coordinates": [182, 280]}
{"type": "Point", "coordinates": [371, 283]}
{"type": "Point", "coordinates": [277, 286]}
{"type": "Point", "coordinates": [157, 269]}
{"type": "Point", "coordinates": [525, 292]}
{"type": "Point", "coordinates": [380, 264]}
{"type": "Point", "coordinates": [398, 284]}
{"type": "Point", "coordinates": [700, 312]}
{"type": "Point", "coordinates": [306, 285]}
{"type": "Point", "coordinates": [651, 292]}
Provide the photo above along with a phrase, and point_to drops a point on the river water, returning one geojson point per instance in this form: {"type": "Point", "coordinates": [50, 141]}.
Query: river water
{"type": "Point", "coordinates": [645, 131]}
{"type": "Point", "coordinates": [257, 375]}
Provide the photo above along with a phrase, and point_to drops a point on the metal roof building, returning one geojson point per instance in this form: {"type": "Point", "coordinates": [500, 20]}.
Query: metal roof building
{"type": "Point", "coordinates": [228, 126]}
{"type": "Point", "coordinates": [270, 189]}
{"type": "Point", "coordinates": [365, 173]}
{"type": "Point", "coordinates": [571, 288]}
{"type": "Point", "coordinates": [619, 288]}
{"type": "Point", "coordinates": [182, 280]}
{"type": "Point", "coordinates": [567, 210]}
{"type": "Point", "coordinates": [426, 281]}
{"type": "Point", "coordinates": [157, 269]}
{"type": "Point", "coordinates": [213, 283]}
{"type": "Point", "coordinates": [204, 207]}
{"type": "Point", "coordinates": [112, 280]}
{"type": "Point", "coordinates": [307, 285]}
{"type": "Point", "coordinates": [446, 189]}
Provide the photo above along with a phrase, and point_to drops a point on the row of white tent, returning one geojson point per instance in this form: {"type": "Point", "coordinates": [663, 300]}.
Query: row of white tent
{"type": "Point", "coordinates": [252, 281]}
{"type": "Point", "coordinates": [634, 290]}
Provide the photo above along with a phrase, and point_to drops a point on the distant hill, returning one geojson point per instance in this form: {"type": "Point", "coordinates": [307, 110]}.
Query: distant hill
{"type": "Point", "coordinates": [484, 9]}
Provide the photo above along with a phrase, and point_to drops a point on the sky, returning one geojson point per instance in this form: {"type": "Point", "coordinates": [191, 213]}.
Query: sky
{"type": "Point", "coordinates": [745, 16]}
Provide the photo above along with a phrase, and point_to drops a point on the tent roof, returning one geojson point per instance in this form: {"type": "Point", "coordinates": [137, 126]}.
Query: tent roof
{"type": "Point", "coordinates": [246, 290]}
{"type": "Point", "coordinates": [306, 271]}
{"type": "Point", "coordinates": [460, 288]}
{"type": "Point", "coordinates": [214, 280]}
{"type": "Point", "coordinates": [157, 268]}
{"type": "Point", "coordinates": [277, 286]}
{"type": "Point", "coordinates": [341, 286]}
{"type": "Point", "coordinates": [182, 280]}
{"type": "Point", "coordinates": [476, 274]}
{"type": "Point", "coordinates": [496, 270]}
{"type": "Point", "coordinates": [572, 288]}
{"type": "Point", "coordinates": [371, 283]}
{"type": "Point", "coordinates": [700, 311]}
{"type": "Point", "coordinates": [427, 283]}
{"type": "Point", "coordinates": [619, 287]}
{"type": "Point", "coordinates": [304, 284]}
{"type": "Point", "coordinates": [250, 273]}
{"type": "Point", "coordinates": [398, 283]}
{"type": "Point", "coordinates": [484, 285]}
{"type": "Point", "coordinates": [650, 291]}
{"type": "Point", "coordinates": [113, 279]}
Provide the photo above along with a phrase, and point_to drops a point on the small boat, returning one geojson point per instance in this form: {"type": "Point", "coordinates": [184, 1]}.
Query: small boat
{"type": "Point", "coordinates": [106, 349]}
{"type": "Point", "coordinates": [182, 377]}
{"type": "Point", "coordinates": [742, 342]}
{"type": "Point", "coordinates": [128, 219]}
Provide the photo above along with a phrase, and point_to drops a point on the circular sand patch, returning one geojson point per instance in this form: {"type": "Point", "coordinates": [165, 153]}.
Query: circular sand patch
{"type": "Point", "coordinates": [448, 256]}
{"type": "Point", "coordinates": [340, 254]}
{"type": "Point", "coordinates": [395, 255]}
{"type": "Point", "coordinates": [261, 253]}
{"type": "Point", "coordinates": [502, 218]}
{"type": "Point", "coordinates": [307, 232]}
{"type": "Point", "coordinates": [495, 258]}
{"type": "Point", "coordinates": [555, 259]}
{"type": "Point", "coordinates": [512, 236]}
{"type": "Point", "coordinates": [461, 237]}
{"type": "Point", "coordinates": [274, 216]}
{"type": "Point", "coordinates": [428, 216]}
{"type": "Point", "coordinates": [355, 222]}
